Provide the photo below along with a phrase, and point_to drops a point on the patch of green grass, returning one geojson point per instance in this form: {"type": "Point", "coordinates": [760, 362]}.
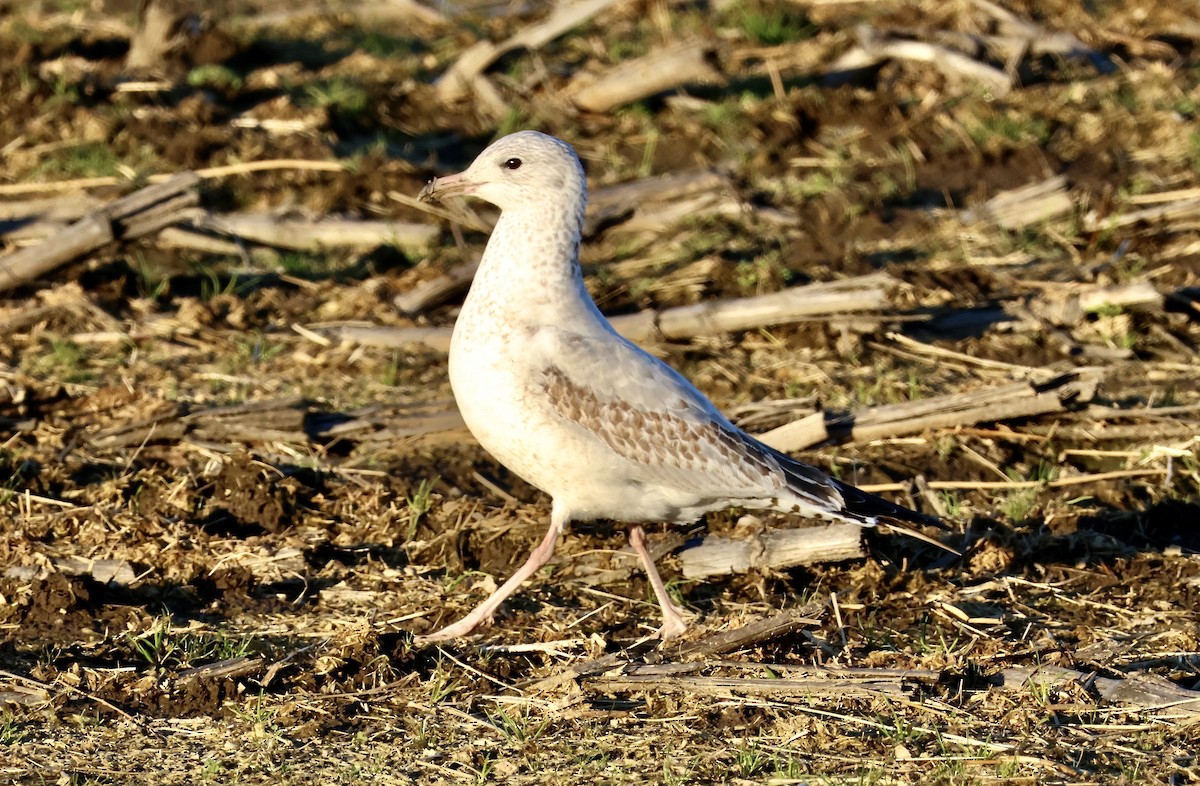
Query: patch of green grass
{"type": "Point", "coordinates": [441, 685]}
{"type": "Point", "coordinates": [382, 45]}
{"type": "Point", "coordinates": [642, 288]}
{"type": "Point", "coordinates": [914, 385]}
{"type": "Point", "coordinates": [69, 6]}
{"type": "Point", "coordinates": [1138, 183]}
{"type": "Point", "coordinates": [165, 648]}
{"type": "Point", "coordinates": [263, 720]}
{"type": "Point", "coordinates": [816, 183]}
{"type": "Point", "coordinates": [256, 712]}
{"type": "Point", "coordinates": [306, 266]}
{"type": "Point", "coordinates": [64, 362]}
{"type": "Point", "coordinates": [1127, 341]}
{"type": "Point", "coordinates": [1187, 106]}
{"type": "Point", "coordinates": [774, 25]}
{"type": "Point", "coordinates": [1034, 242]}
{"type": "Point", "coordinates": [869, 393]}
{"type": "Point", "coordinates": [1010, 128]}
{"type": "Point", "coordinates": [1018, 504]}
{"type": "Point", "coordinates": [887, 187]}
{"type": "Point", "coordinates": [8, 488]}
{"type": "Point", "coordinates": [788, 768]}
{"type": "Point", "coordinates": [1041, 691]}
{"type": "Point", "coordinates": [484, 773]}
{"type": "Point", "coordinates": [390, 374]}
{"type": "Point", "coordinates": [12, 730]}
{"type": "Point", "coordinates": [763, 271]}
{"type": "Point", "coordinates": [950, 773]}
{"type": "Point", "coordinates": [926, 643]}
{"type": "Point", "coordinates": [723, 115]}
{"type": "Point", "coordinates": [216, 76]}
{"type": "Point", "coordinates": [646, 167]}
{"type": "Point", "coordinates": [419, 503]}
{"type": "Point", "coordinates": [712, 236]}
{"type": "Point", "coordinates": [626, 48]}
{"type": "Point", "coordinates": [1130, 267]}
{"type": "Point", "coordinates": [212, 287]}
{"type": "Point", "coordinates": [214, 768]}
{"type": "Point", "coordinates": [675, 588]}
{"type": "Point", "coordinates": [898, 730]}
{"type": "Point", "coordinates": [1008, 768]}
{"type": "Point", "coordinates": [255, 351]}
{"type": "Point", "coordinates": [674, 774]}
{"type": "Point", "coordinates": [1128, 97]}
{"type": "Point", "coordinates": [519, 726]}
{"type": "Point", "coordinates": [518, 69]}
{"type": "Point", "coordinates": [88, 779]}
{"type": "Point", "coordinates": [1194, 150]}
{"type": "Point", "coordinates": [1189, 467]}
{"type": "Point", "coordinates": [86, 719]}
{"type": "Point", "coordinates": [1044, 472]}
{"type": "Point", "coordinates": [751, 760]}
{"type": "Point", "coordinates": [151, 283]}
{"type": "Point", "coordinates": [1131, 770]}
{"type": "Point", "coordinates": [875, 636]}
{"type": "Point", "coordinates": [952, 503]}
{"type": "Point", "coordinates": [89, 159]}
{"type": "Point", "coordinates": [347, 96]}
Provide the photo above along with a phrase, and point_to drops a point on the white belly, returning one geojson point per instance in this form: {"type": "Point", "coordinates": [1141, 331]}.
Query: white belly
{"type": "Point", "coordinates": [496, 388]}
{"type": "Point", "coordinates": [500, 395]}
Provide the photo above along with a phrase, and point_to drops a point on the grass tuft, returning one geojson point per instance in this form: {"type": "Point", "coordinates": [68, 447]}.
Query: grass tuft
{"type": "Point", "coordinates": [345, 95]}
{"type": "Point", "coordinates": [774, 25]}
{"type": "Point", "coordinates": [164, 647]}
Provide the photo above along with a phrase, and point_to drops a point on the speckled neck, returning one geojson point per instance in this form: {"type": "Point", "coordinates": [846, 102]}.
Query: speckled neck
{"type": "Point", "coordinates": [530, 268]}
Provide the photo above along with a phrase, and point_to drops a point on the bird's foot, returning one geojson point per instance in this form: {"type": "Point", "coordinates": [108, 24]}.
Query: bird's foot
{"type": "Point", "coordinates": [673, 626]}
{"type": "Point", "coordinates": [452, 631]}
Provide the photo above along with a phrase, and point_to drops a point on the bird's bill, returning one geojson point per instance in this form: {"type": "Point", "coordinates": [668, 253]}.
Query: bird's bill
{"type": "Point", "coordinates": [447, 185]}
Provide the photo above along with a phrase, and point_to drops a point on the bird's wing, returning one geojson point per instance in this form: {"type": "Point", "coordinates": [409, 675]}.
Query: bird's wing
{"type": "Point", "coordinates": [647, 413]}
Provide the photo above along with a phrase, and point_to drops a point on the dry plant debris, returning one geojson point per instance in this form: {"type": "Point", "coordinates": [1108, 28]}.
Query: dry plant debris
{"type": "Point", "coordinates": [233, 484]}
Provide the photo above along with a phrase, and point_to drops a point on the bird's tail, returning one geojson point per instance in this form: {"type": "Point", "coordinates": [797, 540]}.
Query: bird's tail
{"type": "Point", "coordinates": [870, 507]}
{"type": "Point", "coordinates": [858, 506]}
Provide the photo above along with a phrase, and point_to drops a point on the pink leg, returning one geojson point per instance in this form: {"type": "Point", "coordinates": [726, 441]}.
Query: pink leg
{"type": "Point", "coordinates": [673, 622]}
{"type": "Point", "coordinates": [484, 611]}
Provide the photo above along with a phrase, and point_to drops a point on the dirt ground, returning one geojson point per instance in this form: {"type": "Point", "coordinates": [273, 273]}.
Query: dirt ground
{"type": "Point", "coordinates": [220, 529]}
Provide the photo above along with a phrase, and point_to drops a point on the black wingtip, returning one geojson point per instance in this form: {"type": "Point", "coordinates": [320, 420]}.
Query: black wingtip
{"type": "Point", "coordinates": [862, 503]}
{"type": "Point", "coordinates": [857, 504]}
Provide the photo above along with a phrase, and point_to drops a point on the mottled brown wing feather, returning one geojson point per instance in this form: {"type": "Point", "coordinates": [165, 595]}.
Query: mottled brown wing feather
{"type": "Point", "coordinates": [685, 438]}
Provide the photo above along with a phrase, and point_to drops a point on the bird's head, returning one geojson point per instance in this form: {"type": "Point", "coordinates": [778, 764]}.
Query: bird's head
{"type": "Point", "coordinates": [515, 171]}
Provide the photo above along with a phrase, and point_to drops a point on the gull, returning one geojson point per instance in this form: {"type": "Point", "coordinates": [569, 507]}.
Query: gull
{"type": "Point", "coordinates": [548, 387]}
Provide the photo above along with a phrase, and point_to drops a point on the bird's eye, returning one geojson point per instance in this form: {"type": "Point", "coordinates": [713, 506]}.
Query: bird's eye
{"type": "Point", "coordinates": [512, 163]}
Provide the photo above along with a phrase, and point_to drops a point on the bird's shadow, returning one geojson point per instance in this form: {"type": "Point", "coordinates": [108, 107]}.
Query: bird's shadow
{"type": "Point", "coordinates": [1028, 547]}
